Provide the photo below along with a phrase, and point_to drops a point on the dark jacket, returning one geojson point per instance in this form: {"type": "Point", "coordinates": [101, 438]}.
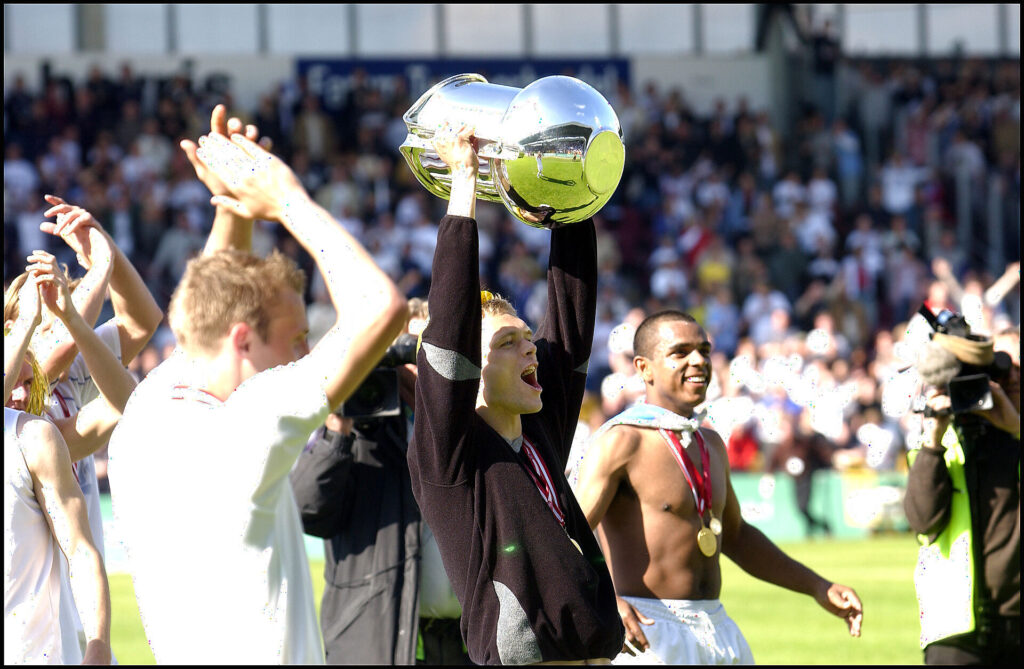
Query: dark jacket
{"type": "Point", "coordinates": [355, 493]}
{"type": "Point", "coordinates": [527, 592]}
{"type": "Point", "coordinates": [991, 470]}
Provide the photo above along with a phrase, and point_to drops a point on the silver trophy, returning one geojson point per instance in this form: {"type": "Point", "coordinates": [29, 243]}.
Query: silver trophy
{"type": "Point", "coordinates": [552, 152]}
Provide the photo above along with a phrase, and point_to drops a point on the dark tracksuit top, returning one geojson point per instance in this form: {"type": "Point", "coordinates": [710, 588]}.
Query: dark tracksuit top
{"type": "Point", "coordinates": [527, 593]}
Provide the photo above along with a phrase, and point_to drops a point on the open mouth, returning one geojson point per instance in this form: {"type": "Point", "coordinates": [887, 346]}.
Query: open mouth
{"type": "Point", "coordinates": [529, 376]}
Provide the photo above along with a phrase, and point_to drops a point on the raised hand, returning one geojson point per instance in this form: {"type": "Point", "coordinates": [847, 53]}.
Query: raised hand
{"type": "Point", "coordinates": [79, 230]}
{"type": "Point", "coordinates": [30, 305]}
{"type": "Point", "coordinates": [53, 284]}
{"type": "Point", "coordinates": [934, 426]}
{"type": "Point", "coordinates": [457, 148]}
{"type": "Point", "coordinates": [220, 125]}
{"type": "Point", "coordinates": [257, 181]}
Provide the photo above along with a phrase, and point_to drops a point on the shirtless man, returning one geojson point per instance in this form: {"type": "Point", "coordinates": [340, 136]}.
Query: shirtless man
{"type": "Point", "coordinates": [641, 484]}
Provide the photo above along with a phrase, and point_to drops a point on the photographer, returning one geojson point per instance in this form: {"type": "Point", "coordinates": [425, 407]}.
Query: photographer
{"type": "Point", "coordinates": [383, 575]}
{"type": "Point", "coordinates": [963, 499]}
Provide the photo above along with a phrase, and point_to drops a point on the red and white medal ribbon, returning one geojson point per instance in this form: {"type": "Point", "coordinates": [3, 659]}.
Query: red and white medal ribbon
{"type": "Point", "coordinates": [542, 479]}
{"type": "Point", "coordinates": [700, 484]}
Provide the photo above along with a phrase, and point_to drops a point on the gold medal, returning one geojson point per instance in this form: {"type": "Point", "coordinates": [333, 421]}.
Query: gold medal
{"type": "Point", "coordinates": [715, 525]}
{"type": "Point", "coordinates": [576, 545]}
{"type": "Point", "coordinates": [707, 542]}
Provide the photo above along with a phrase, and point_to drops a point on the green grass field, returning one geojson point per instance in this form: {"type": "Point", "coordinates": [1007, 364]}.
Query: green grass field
{"type": "Point", "coordinates": [782, 627]}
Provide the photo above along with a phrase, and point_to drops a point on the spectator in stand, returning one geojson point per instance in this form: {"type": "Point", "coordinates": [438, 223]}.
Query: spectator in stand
{"type": "Point", "coordinates": [722, 319]}
{"type": "Point", "coordinates": [21, 178]}
{"type": "Point", "coordinates": [950, 250]}
{"type": "Point", "coordinates": [787, 193]}
{"type": "Point", "coordinates": [812, 228]}
{"type": "Point", "coordinates": [154, 147]}
{"type": "Point", "coordinates": [822, 194]}
{"type": "Point", "coordinates": [827, 53]}
{"type": "Point", "coordinates": [906, 279]}
{"type": "Point", "coordinates": [314, 132]}
{"type": "Point", "coordinates": [964, 156]}
{"type": "Point", "coordinates": [788, 264]}
{"type": "Point", "coordinates": [759, 305]}
{"type": "Point", "coordinates": [899, 179]}
{"type": "Point", "coordinates": [738, 213]}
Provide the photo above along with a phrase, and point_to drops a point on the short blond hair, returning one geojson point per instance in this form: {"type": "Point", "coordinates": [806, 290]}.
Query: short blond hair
{"type": "Point", "coordinates": [418, 308]}
{"type": "Point", "coordinates": [228, 287]}
{"type": "Point", "coordinates": [492, 304]}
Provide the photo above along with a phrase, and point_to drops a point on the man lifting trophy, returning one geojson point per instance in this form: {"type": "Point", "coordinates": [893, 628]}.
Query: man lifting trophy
{"type": "Point", "coordinates": [496, 403]}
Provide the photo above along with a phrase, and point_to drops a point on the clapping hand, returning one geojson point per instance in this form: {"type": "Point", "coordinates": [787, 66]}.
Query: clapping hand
{"type": "Point", "coordinates": [53, 284]}
{"type": "Point", "coordinates": [220, 125]}
{"type": "Point", "coordinates": [30, 305]}
{"type": "Point", "coordinates": [79, 230]}
{"type": "Point", "coordinates": [258, 183]}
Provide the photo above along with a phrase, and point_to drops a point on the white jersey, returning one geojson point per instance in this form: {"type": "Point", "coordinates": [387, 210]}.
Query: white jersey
{"type": "Point", "coordinates": [212, 532]}
{"type": "Point", "coordinates": [31, 563]}
{"type": "Point", "coordinates": [67, 398]}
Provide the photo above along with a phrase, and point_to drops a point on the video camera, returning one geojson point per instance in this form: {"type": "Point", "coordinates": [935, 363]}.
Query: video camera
{"type": "Point", "coordinates": [377, 396]}
{"type": "Point", "coordinates": [967, 381]}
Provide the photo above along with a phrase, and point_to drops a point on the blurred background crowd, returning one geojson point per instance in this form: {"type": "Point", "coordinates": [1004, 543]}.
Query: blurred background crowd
{"type": "Point", "coordinates": [804, 253]}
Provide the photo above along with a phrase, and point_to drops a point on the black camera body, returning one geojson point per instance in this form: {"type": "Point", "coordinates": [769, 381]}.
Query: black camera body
{"type": "Point", "coordinates": [377, 396]}
{"type": "Point", "coordinates": [969, 389]}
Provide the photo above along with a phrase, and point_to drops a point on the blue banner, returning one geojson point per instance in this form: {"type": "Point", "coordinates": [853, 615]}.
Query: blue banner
{"type": "Point", "coordinates": [331, 78]}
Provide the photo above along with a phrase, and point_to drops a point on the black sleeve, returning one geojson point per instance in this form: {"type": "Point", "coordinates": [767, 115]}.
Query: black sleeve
{"type": "Point", "coordinates": [929, 494]}
{"type": "Point", "coordinates": [448, 362]}
{"type": "Point", "coordinates": [565, 336]}
{"type": "Point", "coordinates": [322, 484]}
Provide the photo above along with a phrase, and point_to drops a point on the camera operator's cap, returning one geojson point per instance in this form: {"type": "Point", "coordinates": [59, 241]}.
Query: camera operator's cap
{"type": "Point", "coordinates": [973, 350]}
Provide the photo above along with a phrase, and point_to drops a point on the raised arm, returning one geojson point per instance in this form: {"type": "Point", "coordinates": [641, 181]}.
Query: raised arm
{"type": "Point", "coordinates": [371, 312]}
{"type": "Point", "coordinates": [1003, 285]}
{"type": "Point", "coordinates": [64, 510]}
{"type": "Point", "coordinates": [755, 554]}
{"type": "Point", "coordinates": [565, 336]}
{"type": "Point", "coordinates": [943, 271]}
{"type": "Point", "coordinates": [449, 359]}
{"type": "Point", "coordinates": [17, 338]}
{"type": "Point", "coordinates": [55, 347]}
{"type": "Point", "coordinates": [230, 230]}
{"type": "Point", "coordinates": [136, 312]}
{"type": "Point", "coordinates": [92, 427]}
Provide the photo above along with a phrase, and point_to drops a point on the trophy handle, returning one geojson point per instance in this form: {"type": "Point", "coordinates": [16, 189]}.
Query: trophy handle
{"type": "Point", "coordinates": [463, 95]}
{"type": "Point", "coordinates": [435, 175]}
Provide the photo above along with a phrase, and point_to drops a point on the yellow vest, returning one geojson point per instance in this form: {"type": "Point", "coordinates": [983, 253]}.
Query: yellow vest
{"type": "Point", "coordinates": [944, 576]}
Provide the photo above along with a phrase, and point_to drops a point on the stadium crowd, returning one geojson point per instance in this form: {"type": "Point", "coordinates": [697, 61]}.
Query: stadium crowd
{"type": "Point", "coordinates": [804, 254]}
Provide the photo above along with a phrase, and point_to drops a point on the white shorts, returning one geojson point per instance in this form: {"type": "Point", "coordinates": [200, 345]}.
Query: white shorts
{"type": "Point", "coordinates": [688, 632]}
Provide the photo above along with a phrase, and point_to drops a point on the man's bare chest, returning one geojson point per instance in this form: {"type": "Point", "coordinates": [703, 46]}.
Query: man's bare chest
{"type": "Point", "coordinates": [659, 482]}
